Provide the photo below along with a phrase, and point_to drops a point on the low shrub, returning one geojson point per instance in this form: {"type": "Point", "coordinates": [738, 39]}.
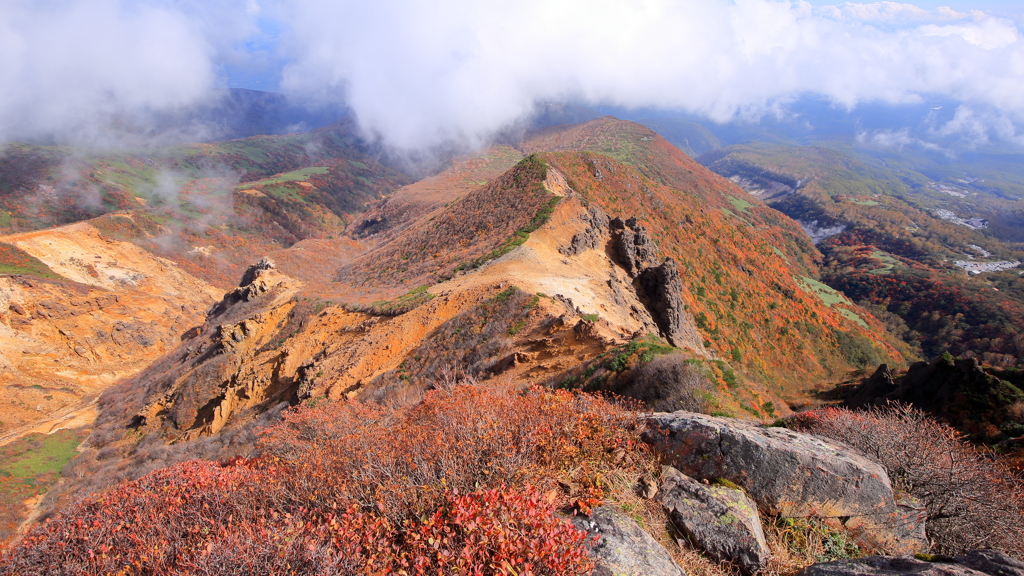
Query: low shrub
{"type": "Point", "coordinates": [351, 488]}
{"type": "Point", "coordinates": [669, 383]}
{"type": "Point", "coordinates": [972, 501]}
{"type": "Point", "coordinates": [399, 462]}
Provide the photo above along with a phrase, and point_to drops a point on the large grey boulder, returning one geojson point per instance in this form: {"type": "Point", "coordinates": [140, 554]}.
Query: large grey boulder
{"type": "Point", "coordinates": [991, 562]}
{"type": "Point", "coordinates": [721, 521]}
{"type": "Point", "coordinates": [974, 563]}
{"type": "Point", "coordinates": [791, 474]}
{"type": "Point", "coordinates": [622, 548]}
{"type": "Point", "coordinates": [887, 566]}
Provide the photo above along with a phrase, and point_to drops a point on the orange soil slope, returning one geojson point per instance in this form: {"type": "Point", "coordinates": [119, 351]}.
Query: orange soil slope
{"type": "Point", "coordinates": [114, 309]}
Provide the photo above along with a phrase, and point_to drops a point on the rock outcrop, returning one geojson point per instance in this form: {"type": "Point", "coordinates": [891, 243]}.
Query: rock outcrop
{"type": "Point", "coordinates": [873, 388]}
{"type": "Point", "coordinates": [596, 222]}
{"type": "Point", "coordinates": [981, 400]}
{"type": "Point", "coordinates": [974, 563]}
{"type": "Point", "coordinates": [658, 286]}
{"type": "Point", "coordinates": [721, 521]}
{"type": "Point", "coordinates": [632, 244]}
{"type": "Point", "coordinates": [622, 548]}
{"type": "Point", "coordinates": [223, 369]}
{"type": "Point", "coordinates": [791, 474]}
{"type": "Point", "coordinates": [991, 562]}
{"type": "Point", "coordinates": [660, 289]}
{"type": "Point", "coordinates": [255, 282]}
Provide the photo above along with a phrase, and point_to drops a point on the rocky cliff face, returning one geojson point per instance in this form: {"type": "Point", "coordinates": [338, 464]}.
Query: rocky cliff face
{"type": "Point", "coordinates": [658, 286]}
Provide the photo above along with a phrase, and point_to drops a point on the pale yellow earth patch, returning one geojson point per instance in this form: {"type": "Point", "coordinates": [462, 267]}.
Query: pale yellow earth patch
{"type": "Point", "coordinates": [62, 342]}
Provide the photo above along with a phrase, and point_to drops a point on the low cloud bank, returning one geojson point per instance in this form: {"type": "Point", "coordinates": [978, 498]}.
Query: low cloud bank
{"type": "Point", "coordinates": [417, 74]}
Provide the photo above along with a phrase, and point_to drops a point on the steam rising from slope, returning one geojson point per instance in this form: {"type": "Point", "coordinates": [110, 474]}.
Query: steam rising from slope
{"type": "Point", "coordinates": [418, 73]}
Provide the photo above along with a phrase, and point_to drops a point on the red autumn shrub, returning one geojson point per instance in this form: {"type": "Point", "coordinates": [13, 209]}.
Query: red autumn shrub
{"type": "Point", "coordinates": [971, 500]}
{"type": "Point", "coordinates": [347, 488]}
{"type": "Point", "coordinates": [497, 531]}
{"type": "Point", "coordinates": [468, 437]}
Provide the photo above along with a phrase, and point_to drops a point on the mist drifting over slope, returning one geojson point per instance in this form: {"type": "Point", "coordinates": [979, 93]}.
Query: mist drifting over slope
{"type": "Point", "coordinates": [417, 74]}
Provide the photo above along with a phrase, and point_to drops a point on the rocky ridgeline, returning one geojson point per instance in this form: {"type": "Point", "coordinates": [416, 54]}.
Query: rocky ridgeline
{"type": "Point", "coordinates": [721, 473]}
{"type": "Point", "coordinates": [981, 400]}
{"type": "Point", "coordinates": [658, 286]}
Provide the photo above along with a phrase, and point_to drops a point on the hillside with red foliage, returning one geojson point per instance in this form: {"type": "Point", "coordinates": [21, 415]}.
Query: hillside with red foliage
{"type": "Point", "coordinates": [747, 270]}
{"type": "Point", "coordinates": [466, 232]}
{"type": "Point", "coordinates": [890, 251]}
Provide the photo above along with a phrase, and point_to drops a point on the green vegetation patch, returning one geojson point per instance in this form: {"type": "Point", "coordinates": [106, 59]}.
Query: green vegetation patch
{"type": "Point", "coordinates": [851, 315]}
{"type": "Point", "coordinates": [857, 349]}
{"type": "Point", "coordinates": [886, 259]}
{"type": "Point", "coordinates": [284, 191]}
{"type": "Point", "coordinates": [867, 202]}
{"type": "Point", "coordinates": [400, 305]}
{"type": "Point", "coordinates": [827, 294]}
{"type": "Point", "coordinates": [128, 174]}
{"type": "Point", "coordinates": [728, 376]}
{"type": "Point", "coordinates": [293, 176]}
{"type": "Point", "coordinates": [741, 204]}
{"type": "Point", "coordinates": [14, 260]}
{"type": "Point", "coordinates": [648, 348]}
{"type": "Point", "coordinates": [39, 454]}
{"type": "Point", "coordinates": [803, 535]}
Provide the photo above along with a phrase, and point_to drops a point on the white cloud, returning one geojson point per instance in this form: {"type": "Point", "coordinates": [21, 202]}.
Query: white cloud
{"type": "Point", "coordinates": [62, 65]}
{"type": "Point", "coordinates": [898, 139]}
{"type": "Point", "coordinates": [71, 68]}
{"type": "Point", "coordinates": [978, 127]}
{"type": "Point", "coordinates": [418, 72]}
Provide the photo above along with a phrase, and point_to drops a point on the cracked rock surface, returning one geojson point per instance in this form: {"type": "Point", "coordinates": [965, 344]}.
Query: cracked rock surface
{"type": "Point", "coordinates": [622, 548]}
{"type": "Point", "coordinates": [790, 474]}
{"type": "Point", "coordinates": [721, 521]}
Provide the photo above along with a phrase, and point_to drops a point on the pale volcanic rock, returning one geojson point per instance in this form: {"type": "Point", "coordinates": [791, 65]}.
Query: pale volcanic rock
{"type": "Point", "coordinates": [622, 548]}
